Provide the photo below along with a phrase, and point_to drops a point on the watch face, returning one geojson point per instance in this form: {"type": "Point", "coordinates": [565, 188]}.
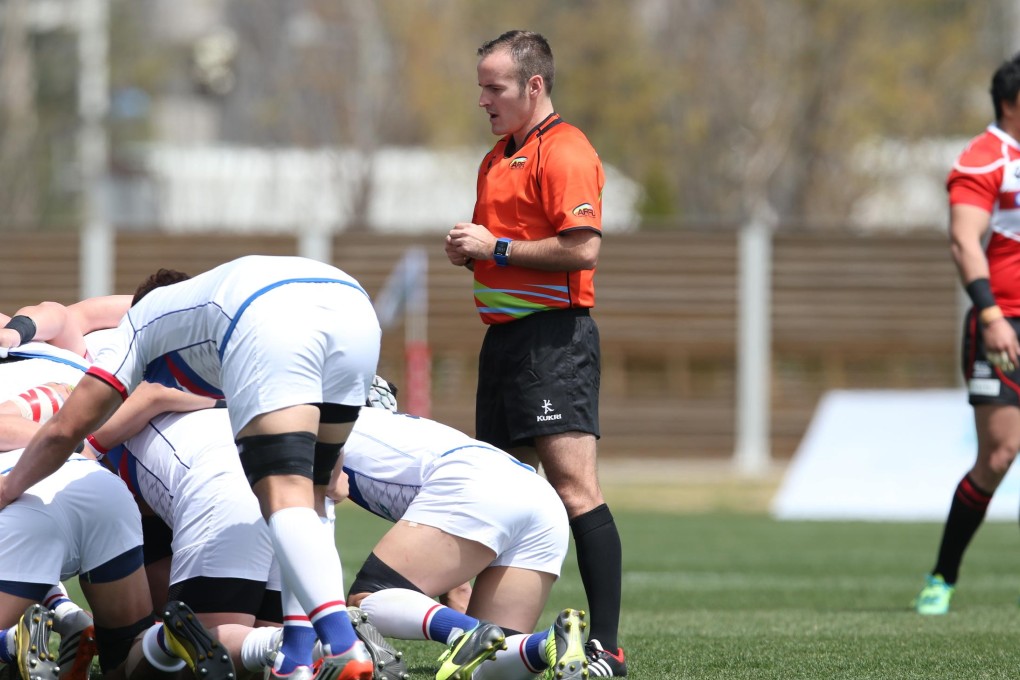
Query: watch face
{"type": "Point", "coordinates": [501, 247]}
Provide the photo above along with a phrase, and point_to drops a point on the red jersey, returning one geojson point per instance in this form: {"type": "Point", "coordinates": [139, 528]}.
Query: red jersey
{"type": "Point", "coordinates": [987, 175]}
{"type": "Point", "coordinates": [551, 185]}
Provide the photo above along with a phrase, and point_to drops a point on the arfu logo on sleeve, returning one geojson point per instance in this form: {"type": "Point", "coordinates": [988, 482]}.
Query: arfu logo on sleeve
{"type": "Point", "coordinates": [584, 210]}
{"type": "Point", "coordinates": [518, 163]}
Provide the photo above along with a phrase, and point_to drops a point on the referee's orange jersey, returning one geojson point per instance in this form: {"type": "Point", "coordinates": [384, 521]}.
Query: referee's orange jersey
{"type": "Point", "coordinates": [552, 184]}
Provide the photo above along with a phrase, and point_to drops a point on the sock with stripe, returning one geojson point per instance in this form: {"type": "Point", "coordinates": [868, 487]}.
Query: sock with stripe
{"type": "Point", "coordinates": [409, 615]}
{"type": "Point", "coordinates": [970, 503]}
{"type": "Point", "coordinates": [310, 568]}
{"type": "Point", "coordinates": [298, 635]}
{"type": "Point", "coordinates": [523, 657]}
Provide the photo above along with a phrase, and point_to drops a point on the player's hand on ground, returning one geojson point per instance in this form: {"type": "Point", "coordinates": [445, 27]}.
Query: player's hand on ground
{"type": "Point", "coordinates": [1002, 348]}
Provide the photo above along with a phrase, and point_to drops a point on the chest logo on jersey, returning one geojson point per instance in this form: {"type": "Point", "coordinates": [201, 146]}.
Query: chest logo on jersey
{"type": "Point", "coordinates": [584, 210]}
{"type": "Point", "coordinates": [518, 163]}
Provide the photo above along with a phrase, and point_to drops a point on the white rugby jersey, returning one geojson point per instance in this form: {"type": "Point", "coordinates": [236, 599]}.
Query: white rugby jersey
{"type": "Point", "coordinates": [33, 364]}
{"type": "Point", "coordinates": [987, 175]}
{"type": "Point", "coordinates": [155, 463]}
{"type": "Point", "coordinates": [389, 456]}
{"type": "Point", "coordinates": [177, 335]}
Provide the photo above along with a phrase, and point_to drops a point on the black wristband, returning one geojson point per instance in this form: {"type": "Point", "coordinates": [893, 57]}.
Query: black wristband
{"type": "Point", "coordinates": [24, 326]}
{"type": "Point", "coordinates": [980, 293]}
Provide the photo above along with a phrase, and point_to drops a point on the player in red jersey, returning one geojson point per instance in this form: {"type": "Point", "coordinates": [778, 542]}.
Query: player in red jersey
{"type": "Point", "coordinates": [984, 186]}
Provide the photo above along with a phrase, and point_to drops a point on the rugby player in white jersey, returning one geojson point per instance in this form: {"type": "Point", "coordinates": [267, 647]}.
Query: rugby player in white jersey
{"type": "Point", "coordinates": [79, 520]}
{"type": "Point", "coordinates": [291, 344]}
{"type": "Point", "coordinates": [178, 460]}
{"type": "Point", "coordinates": [462, 509]}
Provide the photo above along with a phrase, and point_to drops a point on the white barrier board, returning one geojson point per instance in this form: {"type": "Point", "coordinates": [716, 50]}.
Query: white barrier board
{"type": "Point", "coordinates": [886, 455]}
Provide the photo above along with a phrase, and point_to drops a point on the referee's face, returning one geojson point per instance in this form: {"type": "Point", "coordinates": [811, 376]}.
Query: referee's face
{"type": "Point", "coordinates": [509, 110]}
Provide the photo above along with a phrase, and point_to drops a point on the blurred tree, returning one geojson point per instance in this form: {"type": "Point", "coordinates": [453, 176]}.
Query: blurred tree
{"type": "Point", "coordinates": [721, 108]}
{"type": "Point", "coordinates": [19, 195]}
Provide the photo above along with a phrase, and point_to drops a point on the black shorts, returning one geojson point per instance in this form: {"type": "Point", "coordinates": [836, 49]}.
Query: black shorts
{"type": "Point", "coordinates": [538, 376]}
{"type": "Point", "coordinates": [985, 383]}
{"type": "Point", "coordinates": [215, 594]}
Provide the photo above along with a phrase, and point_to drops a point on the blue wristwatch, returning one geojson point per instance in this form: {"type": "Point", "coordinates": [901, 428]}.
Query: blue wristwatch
{"type": "Point", "coordinates": [501, 253]}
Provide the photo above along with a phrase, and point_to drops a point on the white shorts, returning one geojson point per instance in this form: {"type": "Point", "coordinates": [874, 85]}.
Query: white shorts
{"type": "Point", "coordinates": [323, 349]}
{"type": "Point", "coordinates": [219, 532]}
{"type": "Point", "coordinates": [487, 497]}
{"type": "Point", "coordinates": [75, 520]}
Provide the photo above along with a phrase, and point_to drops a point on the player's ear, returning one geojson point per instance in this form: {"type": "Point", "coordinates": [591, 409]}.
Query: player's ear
{"type": "Point", "coordinates": [536, 85]}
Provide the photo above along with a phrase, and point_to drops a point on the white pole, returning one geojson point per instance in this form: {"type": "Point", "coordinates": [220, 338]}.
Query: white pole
{"type": "Point", "coordinates": [97, 239]}
{"type": "Point", "coordinates": [316, 242]}
{"type": "Point", "coordinates": [754, 348]}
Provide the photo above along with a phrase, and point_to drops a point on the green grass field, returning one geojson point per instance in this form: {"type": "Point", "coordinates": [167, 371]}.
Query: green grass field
{"type": "Point", "coordinates": [739, 595]}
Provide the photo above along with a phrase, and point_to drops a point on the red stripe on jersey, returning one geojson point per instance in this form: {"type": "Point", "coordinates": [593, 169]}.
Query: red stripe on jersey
{"type": "Point", "coordinates": [110, 379]}
{"type": "Point", "coordinates": [96, 445]}
{"type": "Point", "coordinates": [1008, 200]}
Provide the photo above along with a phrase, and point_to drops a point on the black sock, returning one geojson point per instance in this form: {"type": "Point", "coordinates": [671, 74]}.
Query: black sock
{"type": "Point", "coordinates": [970, 503]}
{"type": "Point", "coordinates": [599, 559]}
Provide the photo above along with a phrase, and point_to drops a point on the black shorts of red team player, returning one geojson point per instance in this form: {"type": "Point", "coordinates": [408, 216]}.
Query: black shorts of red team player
{"type": "Point", "coordinates": [537, 376]}
{"type": "Point", "coordinates": [987, 384]}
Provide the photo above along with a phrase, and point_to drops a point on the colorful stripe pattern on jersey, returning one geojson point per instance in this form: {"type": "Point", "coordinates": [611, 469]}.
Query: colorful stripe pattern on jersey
{"type": "Point", "coordinates": [987, 175]}
{"type": "Point", "coordinates": [550, 185]}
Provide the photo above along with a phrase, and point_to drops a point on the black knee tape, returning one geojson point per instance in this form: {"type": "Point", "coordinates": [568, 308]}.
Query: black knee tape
{"type": "Point", "coordinates": [338, 414]}
{"type": "Point", "coordinates": [376, 575]}
{"type": "Point", "coordinates": [326, 456]}
{"type": "Point", "coordinates": [290, 453]}
{"type": "Point", "coordinates": [115, 643]}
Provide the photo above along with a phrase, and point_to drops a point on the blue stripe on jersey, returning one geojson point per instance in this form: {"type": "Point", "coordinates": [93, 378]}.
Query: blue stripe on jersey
{"type": "Point", "coordinates": [262, 291]}
{"type": "Point", "coordinates": [125, 466]}
{"type": "Point", "coordinates": [488, 448]}
{"type": "Point", "coordinates": [171, 370]}
{"type": "Point", "coordinates": [59, 360]}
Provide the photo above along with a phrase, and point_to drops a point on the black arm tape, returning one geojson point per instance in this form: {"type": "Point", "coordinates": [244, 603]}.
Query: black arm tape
{"type": "Point", "coordinates": [980, 293]}
{"type": "Point", "coordinates": [24, 326]}
{"type": "Point", "coordinates": [338, 414]}
{"type": "Point", "coordinates": [289, 453]}
{"type": "Point", "coordinates": [376, 575]}
{"type": "Point", "coordinates": [115, 643]}
{"type": "Point", "coordinates": [326, 456]}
